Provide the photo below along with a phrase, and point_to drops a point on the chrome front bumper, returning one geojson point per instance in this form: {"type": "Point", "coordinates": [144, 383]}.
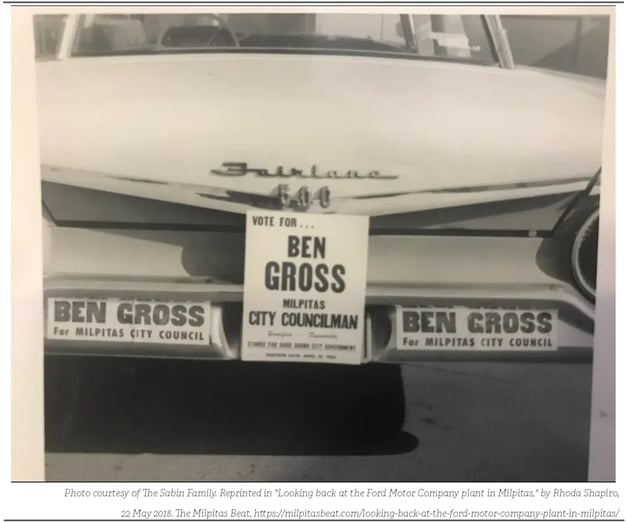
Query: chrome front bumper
{"type": "Point", "coordinates": [575, 317]}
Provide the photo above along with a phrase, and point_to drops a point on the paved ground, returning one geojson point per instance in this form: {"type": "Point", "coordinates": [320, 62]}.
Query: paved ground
{"type": "Point", "coordinates": [163, 420]}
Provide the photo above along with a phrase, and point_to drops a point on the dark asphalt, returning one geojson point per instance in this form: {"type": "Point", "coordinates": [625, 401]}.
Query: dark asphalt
{"type": "Point", "coordinates": [125, 419]}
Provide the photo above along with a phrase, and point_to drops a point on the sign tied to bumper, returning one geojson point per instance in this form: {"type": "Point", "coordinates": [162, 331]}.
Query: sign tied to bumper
{"type": "Point", "coordinates": [304, 287]}
{"type": "Point", "coordinates": [476, 329]}
{"type": "Point", "coordinates": [116, 320]}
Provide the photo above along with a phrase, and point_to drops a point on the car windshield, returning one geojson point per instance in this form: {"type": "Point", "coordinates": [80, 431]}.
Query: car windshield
{"type": "Point", "coordinates": [456, 37]}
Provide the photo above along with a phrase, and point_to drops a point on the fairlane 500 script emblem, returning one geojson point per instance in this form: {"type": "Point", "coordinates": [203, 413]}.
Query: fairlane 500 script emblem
{"type": "Point", "coordinates": [303, 198]}
{"type": "Point", "coordinates": [241, 169]}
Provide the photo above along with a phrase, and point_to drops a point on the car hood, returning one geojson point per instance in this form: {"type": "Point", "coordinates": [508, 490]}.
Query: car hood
{"type": "Point", "coordinates": [436, 134]}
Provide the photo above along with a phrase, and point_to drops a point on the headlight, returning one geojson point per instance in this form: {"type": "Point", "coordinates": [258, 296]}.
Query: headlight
{"type": "Point", "coordinates": [585, 255]}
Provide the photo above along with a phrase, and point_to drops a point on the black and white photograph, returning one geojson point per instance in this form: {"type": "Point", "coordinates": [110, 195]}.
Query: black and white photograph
{"type": "Point", "coordinates": [322, 245]}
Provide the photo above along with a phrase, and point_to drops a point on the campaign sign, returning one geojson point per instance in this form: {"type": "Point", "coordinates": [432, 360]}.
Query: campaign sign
{"type": "Point", "coordinates": [304, 287]}
{"type": "Point", "coordinates": [476, 329]}
{"type": "Point", "coordinates": [118, 320]}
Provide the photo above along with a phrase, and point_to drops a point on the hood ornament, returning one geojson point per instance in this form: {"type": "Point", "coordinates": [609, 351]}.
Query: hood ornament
{"type": "Point", "coordinates": [242, 169]}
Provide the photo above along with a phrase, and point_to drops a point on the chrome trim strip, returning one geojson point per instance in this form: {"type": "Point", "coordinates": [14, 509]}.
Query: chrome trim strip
{"type": "Point", "coordinates": [377, 293]}
{"type": "Point", "coordinates": [483, 188]}
{"type": "Point", "coordinates": [104, 286]}
{"type": "Point", "coordinates": [575, 316]}
{"type": "Point", "coordinates": [380, 204]}
{"type": "Point", "coordinates": [396, 293]}
{"type": "Point", "coordinates": [593, 182]}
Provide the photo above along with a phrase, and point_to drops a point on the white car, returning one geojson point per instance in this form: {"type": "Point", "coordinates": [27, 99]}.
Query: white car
{"type": "Point", "coordinates": [158, 132]}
